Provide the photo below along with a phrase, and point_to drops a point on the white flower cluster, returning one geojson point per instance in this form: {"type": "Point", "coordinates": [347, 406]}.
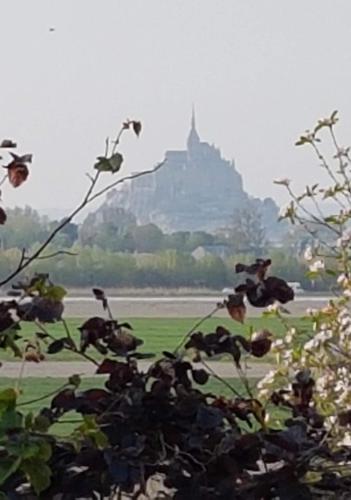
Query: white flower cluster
{"type": "Point", "coordinates": [266, 384]}
{"type": "Point", "coordinates": [344, 240]}
{"type": "Point", "coordinates": [344, 320]}
{"type": "Point", "coordinates": [319, 339]}
{"type": "Point", "coordinates": [342, 387]}
{"type": "Point", "coordinates": [325, 383]}
{"type": "Point", "coordinates": [308, 254]}
{"type": "Point", "coordinates": [317, 266]}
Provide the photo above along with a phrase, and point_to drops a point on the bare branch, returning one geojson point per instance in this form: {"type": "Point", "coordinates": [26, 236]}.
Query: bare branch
{"type": "Point", "coordinates": [55, 254]}
{"type": "Point", "coordinates": [127, 178]}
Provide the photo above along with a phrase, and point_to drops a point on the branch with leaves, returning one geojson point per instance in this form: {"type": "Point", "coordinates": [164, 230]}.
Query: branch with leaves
{"type": "Point", "coordinates": [163, 421]}
{"type": "Point", "coordinates": [110, 162]}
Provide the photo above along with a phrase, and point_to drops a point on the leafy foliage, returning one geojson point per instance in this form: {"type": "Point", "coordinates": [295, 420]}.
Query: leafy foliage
{"type": "Point", "coordinates": [17, 169]}
{"type": "Point", "coordinates": [321, 355]}
{"type": "Point", "coordinates": [161, 422]}
{"type": "Point", "coordinates": [144, 424]}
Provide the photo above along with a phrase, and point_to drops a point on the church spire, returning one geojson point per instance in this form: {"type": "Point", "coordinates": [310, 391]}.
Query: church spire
{"type": "Point", "coordinates": [193, 139]}
{"type": "Point", "coordinates": [193, 123]}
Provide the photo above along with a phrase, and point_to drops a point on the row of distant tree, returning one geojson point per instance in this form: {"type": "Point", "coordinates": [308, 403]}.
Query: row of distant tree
{"type": "Point", "coordinates": [114, 251]}
{"type": "Point", "coordinates": [90, 266]}
{"type": "Point", "coordinates": [113, 229]}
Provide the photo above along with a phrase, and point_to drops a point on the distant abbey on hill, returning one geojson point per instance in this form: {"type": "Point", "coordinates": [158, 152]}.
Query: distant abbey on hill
{"type": "Point", "coordinates": [196, 189]}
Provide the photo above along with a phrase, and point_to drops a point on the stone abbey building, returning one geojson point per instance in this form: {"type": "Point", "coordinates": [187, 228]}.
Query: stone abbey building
{"type": "Point", "coordinates": [197, 189]}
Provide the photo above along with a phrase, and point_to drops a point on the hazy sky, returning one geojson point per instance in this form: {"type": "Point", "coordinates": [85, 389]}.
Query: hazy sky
{"type": "Point", "coordinates": [258, 71]}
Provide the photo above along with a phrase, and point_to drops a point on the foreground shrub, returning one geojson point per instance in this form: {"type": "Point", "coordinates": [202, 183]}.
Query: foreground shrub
{"type": "Point", "coordinates": [160, 422]}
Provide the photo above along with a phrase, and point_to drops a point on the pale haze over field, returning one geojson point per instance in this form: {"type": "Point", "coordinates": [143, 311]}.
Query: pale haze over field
{"type": "Point", "coordinates": [259, 72]}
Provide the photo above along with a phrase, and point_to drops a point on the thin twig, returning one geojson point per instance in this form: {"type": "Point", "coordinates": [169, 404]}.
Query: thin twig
{"type": "Point", "coordinates": [127, 178]}
{"type": "Point", "coordinates": [244, 380]}
{"type": "Point", "coordinates": [3, 179]}
{"type": "Point", "coordinates": [194, 327]}
{"type": "Point", "coordinates": [48, 395]}
{"type": "Point", "coordinates": [341, 163]}
{"type": "Point", "coordinates": [68, 333]}
{"type": "Point", "coordinates": [314, 218]}
{"type": "Point", "coordinates": [21, 371]}
{"type": "Point", "coordinates": [73, 348]}
{"type": "Point", "coordinates": [116, 141]}
{"type": "Point", "coordinates": [330, 173]}
{"type": "Point", "coordinates": [88, 198]}
{"type": "Point", "coordinates": [220, 379]}
{"type": "Point", "coordinates": [55, 254]}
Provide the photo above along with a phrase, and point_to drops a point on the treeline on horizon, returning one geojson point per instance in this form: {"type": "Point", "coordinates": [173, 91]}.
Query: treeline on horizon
{"type": "Point", "coordinates": [168, 269]}
{"type": "Point", "coordinates": [153, 259]}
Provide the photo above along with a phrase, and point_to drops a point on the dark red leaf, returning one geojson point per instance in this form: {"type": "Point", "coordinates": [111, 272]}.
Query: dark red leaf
{"type": "Point", "coordinates": [17, 172]}
{"type": "Point", "coordinates": [200, 376]}
{"type": "Point", "coordinates": [42, 309]}
{"type": "Point", "coordinates": [259, 268]}
{"type": "Point", "coordinates": [64, 400]}
{"type": "Point", "coordinates": [93, 395]}
{"type": "Point", "coordinates": [99, 294]}
{"type": "Point", "coordinates": [3, 216]}
{"type": "Point", "coordinates": [122, 375]}
{"type": "Point", "coordinates": [108, 366]}
{"type": "Point", "coordinates": [236, 307]}
{"type": "Point", "coordinates": [42, 335]}
{"type": "Point", "coordinates": [261, 343]}
{"type": "Point", "coordinates": [8, 143]}
{"type": "Point", "coordinates": [344, 418]}
{"type": "Point", "coordinates": [56, 346]}
{"type": "Point", "coordinates": [27, 158]}
{"type": "Point", "coordinates": [136, 127]}
{"type": "Point", "coordinates": [169, 355]}
{"type": "Point", "coordinates": [279, 289]}
{"type": "Point", "coordinates": [91, 331]}
{"type": "Point", "coordinates": [125, 325]}
{"type": "Point", "coordinates": [267, 291]}
{"type": "Point", "coordinates": [121, 343]}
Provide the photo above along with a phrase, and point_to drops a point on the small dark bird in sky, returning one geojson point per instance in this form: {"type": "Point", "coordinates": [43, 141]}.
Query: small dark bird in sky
{"type": "Point", "coordinates": [51, 30]}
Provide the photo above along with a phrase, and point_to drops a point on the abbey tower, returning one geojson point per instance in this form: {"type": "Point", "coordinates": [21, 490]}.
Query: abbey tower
{"type": "Point", "coordinates": [197, 189]}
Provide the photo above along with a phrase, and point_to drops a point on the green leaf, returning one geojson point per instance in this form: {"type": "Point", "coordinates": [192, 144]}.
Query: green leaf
{"type": "Point", "coordinates": [10, 419]}
{"type": "Point", "coordinates": [38, 473]}
{"type": "Point", "coordinates": [312, 275]}
{"type": "Point", "coordinates": [10, 342]}
{"type": "Point", "coordinates": [8, 399]}
{"type": "Point", "coordinates": [45, 451]}
{"type": "Point", "coordinates": [56, 293]}
{"type": "Point", "coordinates": [7, 467]}
{"type": "Point", "coordinates": [75, 380]}
{"type": "Point", "coordinates": [302, 140]}
{"type": "Point", "coordinates": [41, 423]}
{"type": "Point", "coordinates": [23, 447]}
{"type": "Point", "coordinates": [90, 429]}
{"type": "Point", "coordinates": [112, 164]}
{"type": "Point", "coordinates": [28, 420]}
{"type": "Point", "coordinates": [332, 219]}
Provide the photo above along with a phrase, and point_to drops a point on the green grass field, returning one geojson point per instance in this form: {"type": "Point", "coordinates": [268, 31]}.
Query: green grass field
{"type": "Point", "coordinates": [158, 334]}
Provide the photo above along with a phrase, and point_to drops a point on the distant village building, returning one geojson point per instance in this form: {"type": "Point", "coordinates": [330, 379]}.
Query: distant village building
{"type": "Point", "coordinates": [222, 251]}
{"type": "Point", "coordinates": [197, 189]}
